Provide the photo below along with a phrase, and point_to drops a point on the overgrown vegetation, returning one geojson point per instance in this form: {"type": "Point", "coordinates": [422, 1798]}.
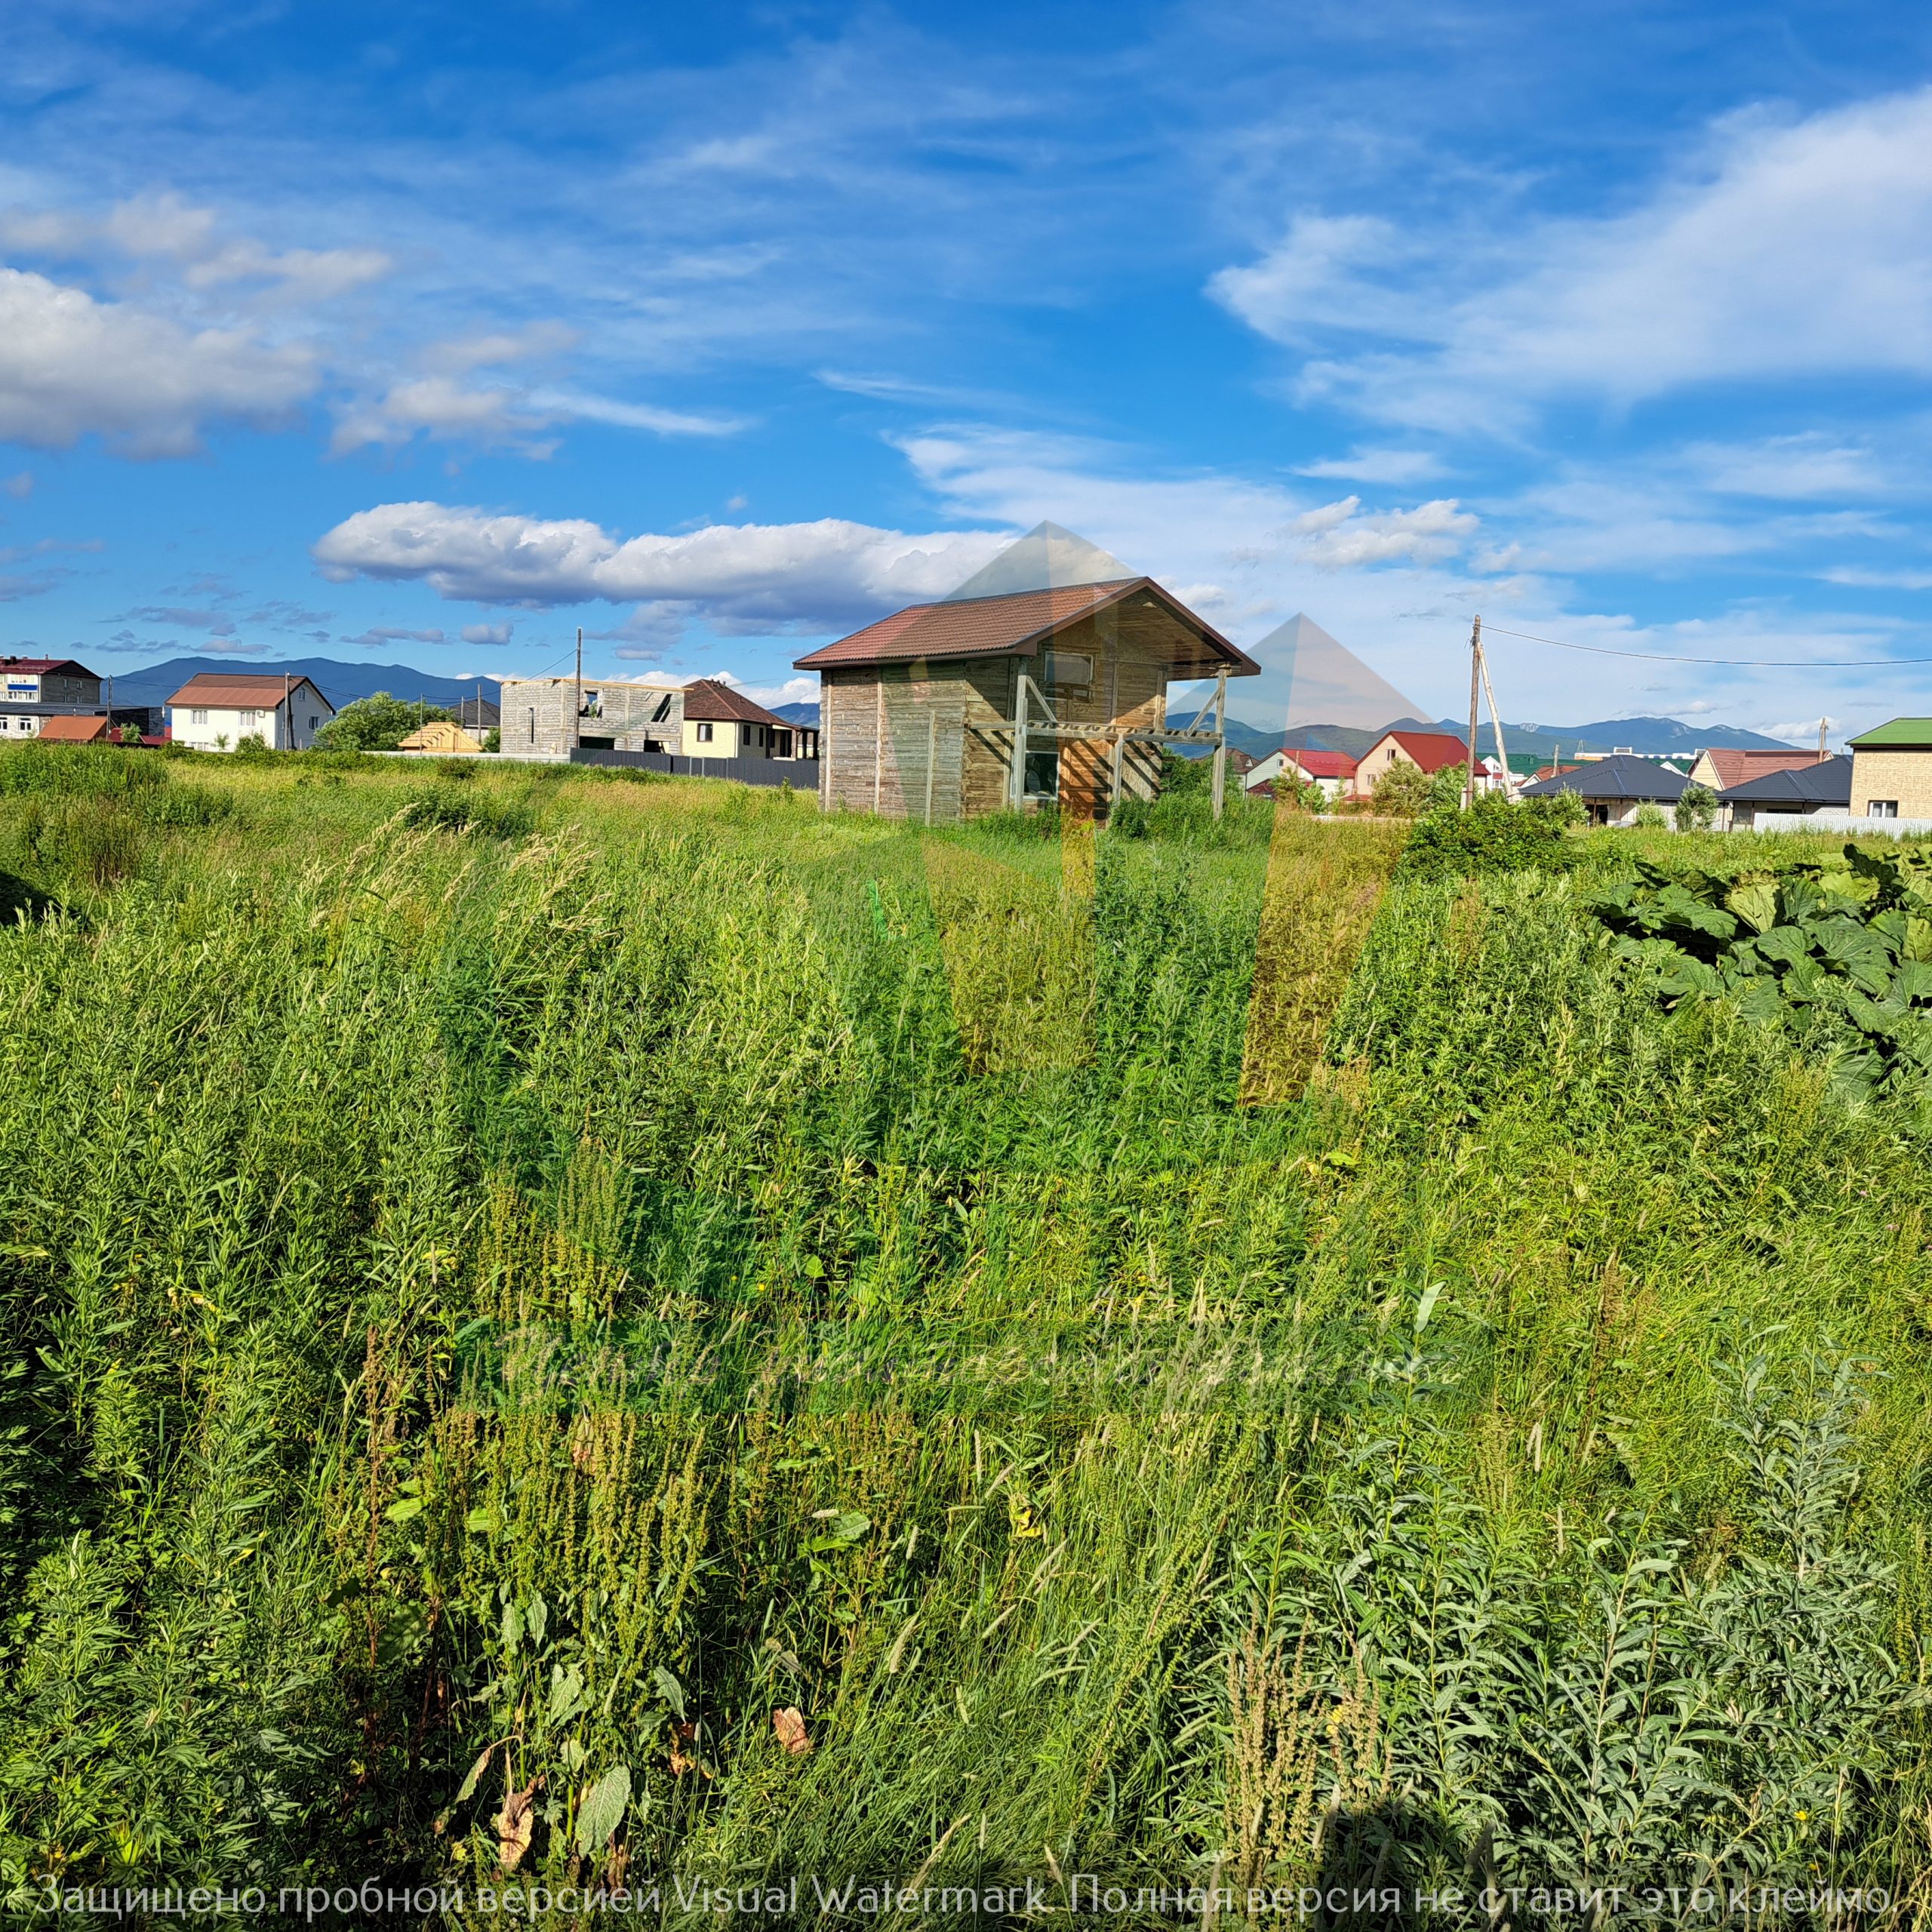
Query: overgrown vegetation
{"type": "Point", "coordinates": [1835, 956]}
{"type": "Point", "coordinates": [379, 723]}
{"type": "Point", "coordinates": [689, 1338]}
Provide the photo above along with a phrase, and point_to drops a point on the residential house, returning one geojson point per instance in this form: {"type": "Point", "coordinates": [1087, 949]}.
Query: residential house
{"type": "Point", "coordinates": [1891, 771]}
{"type": "Point", "coordinates": [720, 722]}
{"type": "Point", "coordinates": [1334, 771]}
{"type": "Point", "coordinates": [1794, 791]}
{"type": "Point", "coordinates": [1615, 789]}
{"type": "Point", "coordinates": [479, 716]}
{"type": "Point", "coordinates": [214, 711]}
{"type": "Point", "coordinates": [1431, 751]}
{"type": "Point", "coordinates": [33, 690]}
{"type": "Point", "coordinates": [549, 715]}
{"type": "Point", "coordinates": [948, 711]}
{"type": "Point", "coordinates": [440, 735]}
{"type": "Point", "coordinates": [1719, 768]}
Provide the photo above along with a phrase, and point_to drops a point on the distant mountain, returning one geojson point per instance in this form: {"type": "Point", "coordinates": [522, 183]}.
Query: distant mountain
{"type": "Point", "coordinates": [339, 683]}
{"type": "Point", "coordinates": [1654, 737]}
{"type": "Point", "coordinates": [796, 714]}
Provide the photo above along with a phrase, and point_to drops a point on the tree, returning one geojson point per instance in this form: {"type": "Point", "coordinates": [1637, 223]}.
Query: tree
{"type": "Point", "coordinates": [377, 723]}
{"type": "Point", "coordinates": [1696, 806]}
{"type": "Point", "coordinates": [1403, 791]}
{"type": "Point", "coordinates": [1304, 792]}
{"type": "Point", "coordinates": [1447, 787]}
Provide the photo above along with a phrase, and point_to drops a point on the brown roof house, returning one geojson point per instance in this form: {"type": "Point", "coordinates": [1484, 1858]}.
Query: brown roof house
{"type": "Point", "coordinates": [214, 711]}
{"type": "Point", "coordinates": [75, 730]}
{"type": "Point", "coordinates": [1722, 767]}
{"type": "Point", "coordinates": [1027, 697]}
{"type": "Point", "coordinates": [720, 722]}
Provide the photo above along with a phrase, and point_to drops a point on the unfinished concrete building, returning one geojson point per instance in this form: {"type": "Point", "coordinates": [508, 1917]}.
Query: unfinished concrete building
{"type": "Point", "coordinates": [614, 714]}
{"type": "Point", "coordinates": [951, 710]}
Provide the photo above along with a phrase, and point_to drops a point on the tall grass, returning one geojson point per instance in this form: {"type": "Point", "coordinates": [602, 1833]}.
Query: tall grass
{"type": "Point", "coordinates": [551, 1302]}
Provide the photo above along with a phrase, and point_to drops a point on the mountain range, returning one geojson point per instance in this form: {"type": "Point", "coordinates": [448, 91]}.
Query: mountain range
{"type": "Point", "coordinates": [339, 683]}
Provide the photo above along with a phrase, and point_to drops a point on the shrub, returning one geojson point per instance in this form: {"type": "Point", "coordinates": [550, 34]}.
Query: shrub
{"type": "Point", "coordinates": [1558, 807]}
{"type": "Point", "coordinates": [1696, 806]}
{"type": "Point", "coordinates": [1494, 836]}
{"type": "Point", "coordinates": [1403, 791]}
{"type": "Point", "coordinates": [1650, 817]}
{"type": "Point", "coordinates": [377, 723]}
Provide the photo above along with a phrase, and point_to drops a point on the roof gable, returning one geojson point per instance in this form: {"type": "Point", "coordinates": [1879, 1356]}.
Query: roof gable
{"type": "Point", "coordinates": [46, 667]}
{"type": "Point", "coordinates": [1614, 777]}
{"type": "Point", "coordinates": [1324, 764]}
{"type": "Point", "coordinates": [1828, 783]}
{"type": "Point", "coordinates": [1434, 751]}
{"type": "Point", "coordinates": [1016, 625]}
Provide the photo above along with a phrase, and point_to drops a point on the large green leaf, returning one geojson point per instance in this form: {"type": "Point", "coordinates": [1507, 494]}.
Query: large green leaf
{"type": "Point", "coordinates": [602, 1811]}
{"type": "Point", "coordinates": [1755, 903]}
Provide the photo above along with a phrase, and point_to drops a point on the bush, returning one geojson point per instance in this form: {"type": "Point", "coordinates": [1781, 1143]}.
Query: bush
{"type": "Point", "coordinates": [1696, 806]}
{"type": "Point", "coordinates": [1650, 817]}
{"type": "Point", "coordinates": [1403, 791]}
{"type": "Point", "coordinates": [377, 723]}
{"type": "Point", "coordinates": [1558, 807]}
{"type": "Point", "coordinates": [1494, 836]}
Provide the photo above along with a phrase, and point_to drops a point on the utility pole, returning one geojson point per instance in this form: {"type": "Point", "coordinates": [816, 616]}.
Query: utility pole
{"type": "Point", "coordinates": [576, 714]}
{"type": "Point", "coordinates": [1496, 719]}
{"type": "Point", "coordinates": [1475, 685]}
{"type": "Point", "coordinates": [1821, 740]}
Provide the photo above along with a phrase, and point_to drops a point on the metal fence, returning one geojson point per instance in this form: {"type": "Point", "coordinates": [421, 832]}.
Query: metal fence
{"type": "Point", "coordinates": [800, 773]}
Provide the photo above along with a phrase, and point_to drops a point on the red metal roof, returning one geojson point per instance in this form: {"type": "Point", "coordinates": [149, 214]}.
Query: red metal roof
{"type": "Point", "coordinates": [1015, 625]}
{"type": "Point", "coordinates": [1434, 751]}
{"type": "Point", "coordinates": [708, 699]}
{"type": "Point", "coordinates": [44, 666]}
{"type": "Point", "coordinates": [240, 690]}
{"type": "Point", "coordinates": [1325, 764]}
{"type": "Point", "coordinates": [73, 731]}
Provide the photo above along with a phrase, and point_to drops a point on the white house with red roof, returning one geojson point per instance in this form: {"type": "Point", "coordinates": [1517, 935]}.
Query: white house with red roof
{"type": "Point", "coordinates": [214, 711]}
{"type": "Point", "coordinates": [1333, 771]}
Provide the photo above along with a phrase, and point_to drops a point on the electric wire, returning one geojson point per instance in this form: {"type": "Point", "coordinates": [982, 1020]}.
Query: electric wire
{"type": "Point", "coordinates": [1728, 663]}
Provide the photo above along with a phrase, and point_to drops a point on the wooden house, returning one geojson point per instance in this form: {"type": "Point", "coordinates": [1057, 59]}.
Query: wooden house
{"type": "Point", "coordinates": [949, 711]}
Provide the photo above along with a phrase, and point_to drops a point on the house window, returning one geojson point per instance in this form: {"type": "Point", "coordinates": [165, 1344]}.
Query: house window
{"type": "Point", "coordinates": [704, 735]}
{"type": "Point", "coordinates": [312, 724]}
{"type": "Point", "coordinates": [1882, 808]}
{"type": "Point", "coordinates": [1042, 780]}
{"type": "Point", "coordinates": [247, 719]}
{"type": "Point", "coordinates": [1067, 667]}
{"type": "Point", "coordinates": [533, 726]}
{"type": "Point", "coordinates": [197, 718]}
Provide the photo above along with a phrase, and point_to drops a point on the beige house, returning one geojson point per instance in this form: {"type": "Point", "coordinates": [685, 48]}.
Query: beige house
{"type": "Point", "coordinates": [947, 711]}
{"type": "Point", "coordinates": [720, 722]}
{"type": "Point", "coordinates": [215, 711]}
{"type": "Point", "coordinates": [1722, 767]}
{"type": "Point", "coordinates": [1891, 771]}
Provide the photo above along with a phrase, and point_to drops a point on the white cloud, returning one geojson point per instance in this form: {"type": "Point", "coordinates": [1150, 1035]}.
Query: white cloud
{"type": "Point", "coordinates": [1376, 466]}
{"type": "Point", "coordinates": [1339, 537]}
{"type": "Point", "coordinates": [373, 639]}
{"type": "Point", "coordinates": [825, 573]}
{"type": "Point", "coordinates": [1790, 250]}
{"type": "Point", "coordinates": [19, 485]}
{"type": "Point", "coordinates": [71, 366]}
{"type": "Point", "coordinates": [500, 415]}
{"type": "Point", "coordinates": [487, 633]}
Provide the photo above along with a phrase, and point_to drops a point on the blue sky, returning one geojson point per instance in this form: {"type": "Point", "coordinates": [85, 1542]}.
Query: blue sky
{"type": "Point", "coordinates": [429, 332]}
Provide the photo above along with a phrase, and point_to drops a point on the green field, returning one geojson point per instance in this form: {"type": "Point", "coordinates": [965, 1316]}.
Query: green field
{"type": "Point", "coordinates": [526, 1295]}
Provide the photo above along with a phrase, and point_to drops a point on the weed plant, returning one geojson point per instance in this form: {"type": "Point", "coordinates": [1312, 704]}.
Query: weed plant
{"type": "Point", "coordinates": [693, 1339]}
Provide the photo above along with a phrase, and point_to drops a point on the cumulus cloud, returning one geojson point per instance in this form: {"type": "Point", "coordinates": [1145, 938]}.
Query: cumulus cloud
{"type": "Point", "coordinates": [1339, 536]}
{"type": "Point", "coordinates": [71, 366]}
{"type": "Point", "coordinates": [746, 574]}
{"type": "Point", "coordinates": [487, 633]}
{"type": "Point", "coordinates": [1792, 249]}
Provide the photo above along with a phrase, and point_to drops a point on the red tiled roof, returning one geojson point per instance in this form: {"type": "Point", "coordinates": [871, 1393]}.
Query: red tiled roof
{"type": "Point", "coordinates": [709, 699]}
{"type": "Point", "coordinates": [1434, 751]}
{"type": "Point", "coordinates": [1739, 766]}
{"type": "Point", "coordinates": [1324, 764]}
{"type": "Point", "coordinates": [72, 730]}
{"type": "Point", "coordinates": [43, 665]}
{"type": "Point", "coordinates": [238, 690]}
{"type": "Point", "coordinates": [1015, 625]}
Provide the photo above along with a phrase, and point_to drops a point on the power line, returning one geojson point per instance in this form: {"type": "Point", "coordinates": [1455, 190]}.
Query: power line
{"type": "Point", "coordinates": [1730, 664]}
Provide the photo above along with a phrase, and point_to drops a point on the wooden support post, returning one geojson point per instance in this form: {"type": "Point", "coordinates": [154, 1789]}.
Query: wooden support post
{"type": "Point", "coordinates": [1475, 681]}
{"type": "Point", "coordinates": [932, 759]}
{"type": "Point", "coordinates": [878, 748]}
{"type": "Point", "coordinates": [1495, 719]}
{"type": "Point", "coordinates": [1220, 780]}
{"type": "Point", "coordinates": [1113, 781]}
{"type": "Point", "coordinates": [1019, 772]}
